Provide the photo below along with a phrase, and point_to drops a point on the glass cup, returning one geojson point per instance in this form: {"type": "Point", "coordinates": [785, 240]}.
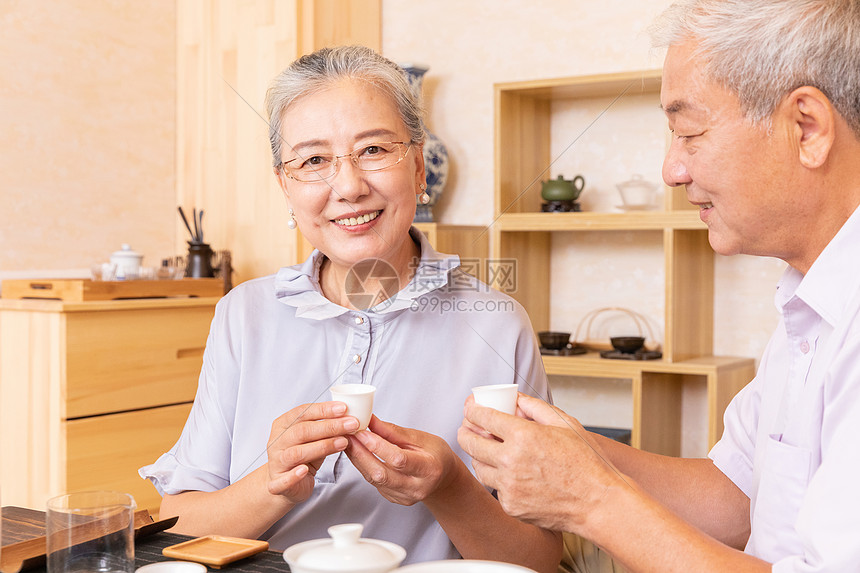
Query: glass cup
{"type": "Point", "coordinates": [103, 272]}
{"type": "Point", "coordinates": [358, 399]}
{"type": "Point", "coordinates": [90, 531]}
{"type": "Point", "coordinates": [502, 397]}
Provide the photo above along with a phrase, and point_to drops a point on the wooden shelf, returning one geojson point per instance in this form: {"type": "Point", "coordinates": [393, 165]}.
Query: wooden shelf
{"type": "Point", "coordinates": [520, 232]}
{"type": "Point", "coordinates": [657, 386]}
{"type": "Point", "coordinates": [633, 221]}
{"type": "Point", "coordinates": [593, 365]}
{"type": "Point", "coordinates": [598, 85]}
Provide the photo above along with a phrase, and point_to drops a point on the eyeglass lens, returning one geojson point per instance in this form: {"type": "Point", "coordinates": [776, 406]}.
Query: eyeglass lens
{"type": "Point", "coordinates": [369, 157]}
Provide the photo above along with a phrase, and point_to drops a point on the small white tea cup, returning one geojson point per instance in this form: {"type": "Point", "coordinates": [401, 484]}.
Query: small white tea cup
{"type": "Point", "coordinates": [358, 399]}
{"type": "Point", "coordinates": [502, 397]}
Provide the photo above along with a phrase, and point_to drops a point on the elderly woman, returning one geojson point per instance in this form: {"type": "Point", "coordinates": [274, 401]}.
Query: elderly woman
{"type": "Point", "coordinates": [263, 454]}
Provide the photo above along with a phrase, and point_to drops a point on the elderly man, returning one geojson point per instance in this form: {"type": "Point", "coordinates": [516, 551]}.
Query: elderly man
{"type": "Point", "coordinates": [762, 99]}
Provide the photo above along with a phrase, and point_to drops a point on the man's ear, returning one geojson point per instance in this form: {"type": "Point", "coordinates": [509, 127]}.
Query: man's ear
{"type": "Point", "coordinates": [815, 120]}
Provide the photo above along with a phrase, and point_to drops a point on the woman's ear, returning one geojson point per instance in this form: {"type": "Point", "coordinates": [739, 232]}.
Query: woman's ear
{"type": "Point", "coordinates": [815, 121]}
{"type": "Point", "coordinates": [420, 173]}
{"type": "Point", "coordinates": [282, 181]}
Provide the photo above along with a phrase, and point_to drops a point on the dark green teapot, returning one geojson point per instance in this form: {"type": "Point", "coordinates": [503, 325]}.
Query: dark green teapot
{"type": "Point", "coordinates": [562, 189]}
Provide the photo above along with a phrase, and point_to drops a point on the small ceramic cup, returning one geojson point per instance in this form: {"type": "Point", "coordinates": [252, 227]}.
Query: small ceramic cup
{"type": "Point", "coordinates": [502, 397]}
{"type": "Point", "coordinates": [358, 399]}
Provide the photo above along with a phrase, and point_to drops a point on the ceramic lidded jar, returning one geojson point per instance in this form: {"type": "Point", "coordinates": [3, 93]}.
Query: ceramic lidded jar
{"type": "Point", "coordinates": [345, 552]}
{"type": "Point", "coordinates": [127, 262]}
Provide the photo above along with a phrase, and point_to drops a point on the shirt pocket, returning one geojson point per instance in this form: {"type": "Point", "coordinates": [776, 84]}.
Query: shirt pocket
{"type": "Point", "coordinates": [781, 491]}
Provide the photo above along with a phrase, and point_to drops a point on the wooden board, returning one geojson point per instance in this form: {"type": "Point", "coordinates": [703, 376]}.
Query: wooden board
{"type": "Point", "coordinates": [86, 289]}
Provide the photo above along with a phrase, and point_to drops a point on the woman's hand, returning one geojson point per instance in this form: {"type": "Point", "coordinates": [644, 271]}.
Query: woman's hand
{"type": "Point", "coordinates": [405, 465]}
{"type": "Point", "coordinates": [299, 442]}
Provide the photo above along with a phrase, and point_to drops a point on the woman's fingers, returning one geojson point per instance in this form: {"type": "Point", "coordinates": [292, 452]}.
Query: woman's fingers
{"type": "Point", "coordinates": [382, 453]}
{"type": "Point", "coordinates": [394, 485]}
{"type": "Point", "coordinates": [299, 441]}
{"type": "Point", "coordinates": [287, 483]}
{"type": "Point", "coordinates": [404, 464]}
{"type": "Point", "coordinates": [307, 453]}
{"type": "Point", "coordinates": [311, 422]}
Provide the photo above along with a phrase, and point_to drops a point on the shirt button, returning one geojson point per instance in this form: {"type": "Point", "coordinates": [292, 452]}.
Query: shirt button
{"type": "Point", "coordinates": [804, 346]}
{"type": "Point", "coordinates": [356, 358]}
{"type": "Point", "coordinates": [359, 320]}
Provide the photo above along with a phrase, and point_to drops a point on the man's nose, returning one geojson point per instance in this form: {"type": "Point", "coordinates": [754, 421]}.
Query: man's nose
{"type": "Point", "coordinates": [674, 168]}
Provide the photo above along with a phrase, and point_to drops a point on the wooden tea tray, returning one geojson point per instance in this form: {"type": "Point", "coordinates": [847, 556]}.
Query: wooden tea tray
{"type": "Point", "coordinates": [79, 290]}
{"type": "Point", "coordinates": [24, 535]}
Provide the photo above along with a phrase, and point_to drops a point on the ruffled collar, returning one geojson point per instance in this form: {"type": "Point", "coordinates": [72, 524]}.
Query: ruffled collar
{"type": "Point", "coordinates": [298, 286]}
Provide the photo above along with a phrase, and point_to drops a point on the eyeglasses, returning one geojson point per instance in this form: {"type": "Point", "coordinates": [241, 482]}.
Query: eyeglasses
{"type": "Point", "coordinates": [367, 157]}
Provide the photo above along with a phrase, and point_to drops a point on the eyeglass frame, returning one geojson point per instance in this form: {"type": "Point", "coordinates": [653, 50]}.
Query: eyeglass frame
{"type": "Point", "coordinates": [336, 159]}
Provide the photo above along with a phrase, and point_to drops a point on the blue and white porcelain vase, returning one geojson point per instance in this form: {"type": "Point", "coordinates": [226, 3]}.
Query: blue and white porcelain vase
{"type": "Point", "coordinates": [435, 153]}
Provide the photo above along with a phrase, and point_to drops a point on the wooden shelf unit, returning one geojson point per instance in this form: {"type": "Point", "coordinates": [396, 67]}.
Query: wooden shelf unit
{"type": "Point", "coordinates": [521, 232]}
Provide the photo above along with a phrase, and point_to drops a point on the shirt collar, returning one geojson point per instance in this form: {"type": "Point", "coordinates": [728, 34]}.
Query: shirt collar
{"type": "Point", "coordinates": [298, 286]}
{"type": "Point", "coordinates": [832, 280]}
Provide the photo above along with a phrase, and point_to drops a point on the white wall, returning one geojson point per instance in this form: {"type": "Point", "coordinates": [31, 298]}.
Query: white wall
{"type": "Point", "coordinates": [469, 46]}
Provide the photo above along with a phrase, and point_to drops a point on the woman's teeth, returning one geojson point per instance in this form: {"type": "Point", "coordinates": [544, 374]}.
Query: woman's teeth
{"type": "Point", "coordinates": [704, 206]}
{"type": "Point", "coordinates": [350, 221]}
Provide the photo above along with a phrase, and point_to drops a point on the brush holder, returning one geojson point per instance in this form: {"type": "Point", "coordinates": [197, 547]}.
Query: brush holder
{"type": "Point", "coordinates": [199, 261]}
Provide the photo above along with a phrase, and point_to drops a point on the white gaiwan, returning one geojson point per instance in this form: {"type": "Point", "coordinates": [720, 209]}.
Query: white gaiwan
{"type": "Point", "coordinates": [638, 194]}
{"type": "Point", "coordinates": [464, 566]}
{"type": "Point", "coordinates": [345, 552]}
{"type": "Point", "coordinates": [127, 262]}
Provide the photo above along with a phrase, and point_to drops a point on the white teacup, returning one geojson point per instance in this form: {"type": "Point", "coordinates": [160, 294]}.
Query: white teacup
{"type": "Point", "coordinates": [502, 397]}
{"type": "Point", "coordinates": [358, 399]}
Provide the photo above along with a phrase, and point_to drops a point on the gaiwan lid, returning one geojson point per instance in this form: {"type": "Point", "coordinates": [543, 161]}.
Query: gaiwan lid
{"type": "Point", "coordinates": [636, 182]}
{"type": "Point", "coordinates": [126, 253]}
{"type": "Point", "coordinates": [345, 551]}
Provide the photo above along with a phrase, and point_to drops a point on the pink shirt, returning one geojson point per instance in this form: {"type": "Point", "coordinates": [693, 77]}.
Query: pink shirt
{"type": "Point", "coordinates": [792, 436]}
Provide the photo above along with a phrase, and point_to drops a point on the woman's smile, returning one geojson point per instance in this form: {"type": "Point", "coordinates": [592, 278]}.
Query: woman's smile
{"type": "Point", "coordinates": [357, 221]}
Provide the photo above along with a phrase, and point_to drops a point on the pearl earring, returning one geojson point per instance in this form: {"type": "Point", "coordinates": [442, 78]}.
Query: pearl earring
{"type": "Point", "coordinates": [424, 197]}
{"type": "Point", "coordinates": [292, 224]}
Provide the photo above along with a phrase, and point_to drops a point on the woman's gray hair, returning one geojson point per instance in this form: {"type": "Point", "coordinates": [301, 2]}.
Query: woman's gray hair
{"type": "Point", "coordinates": [319, 70]}
{"type": "Point", "coordinates": [762, 50]}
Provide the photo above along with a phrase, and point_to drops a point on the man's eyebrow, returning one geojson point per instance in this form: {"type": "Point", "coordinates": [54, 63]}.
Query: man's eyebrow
{"type": "Point", "coordinates": [675, 107]}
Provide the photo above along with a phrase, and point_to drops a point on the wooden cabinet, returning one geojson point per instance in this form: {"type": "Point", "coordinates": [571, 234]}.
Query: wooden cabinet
{"type": "Point", "coordinates": [91, 391]}
{"type": "Point", "coordinates": [523, 128]}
